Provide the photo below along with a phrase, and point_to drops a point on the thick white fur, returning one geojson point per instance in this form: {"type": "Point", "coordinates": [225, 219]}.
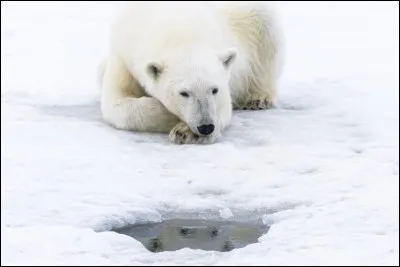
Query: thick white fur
{"type": "Point", "coordinates": [187, 40]}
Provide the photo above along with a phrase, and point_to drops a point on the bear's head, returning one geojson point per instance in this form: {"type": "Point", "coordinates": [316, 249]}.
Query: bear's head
{"type": "Point", "coordinates": [194, 86]}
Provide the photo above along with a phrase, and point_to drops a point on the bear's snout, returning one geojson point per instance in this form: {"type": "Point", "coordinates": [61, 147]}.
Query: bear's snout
{"type": "Point", "coordinates": [206, 129]}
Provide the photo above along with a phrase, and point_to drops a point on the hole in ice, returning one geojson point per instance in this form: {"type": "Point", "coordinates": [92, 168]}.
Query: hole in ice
{"type": "Point", "coordinates": [175, 234]}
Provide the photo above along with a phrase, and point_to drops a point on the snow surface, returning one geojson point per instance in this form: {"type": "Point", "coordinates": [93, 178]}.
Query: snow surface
{"type": "Point", "coordinates": [323, 168]}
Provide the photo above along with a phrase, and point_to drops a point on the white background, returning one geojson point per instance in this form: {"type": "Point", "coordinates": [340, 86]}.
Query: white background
{"type": "Point", "coordinates": [323, 168]}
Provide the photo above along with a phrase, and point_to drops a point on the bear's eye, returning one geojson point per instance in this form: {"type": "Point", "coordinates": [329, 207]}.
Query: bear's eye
{"type": "Point", "coordinates": [184, 94]}
{"type": "Point", "coordinates": [215, 91]}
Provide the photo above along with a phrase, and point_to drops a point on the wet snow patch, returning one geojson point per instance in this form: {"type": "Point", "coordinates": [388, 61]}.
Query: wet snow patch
{"type": "Point", "coordinates": [210, 235]}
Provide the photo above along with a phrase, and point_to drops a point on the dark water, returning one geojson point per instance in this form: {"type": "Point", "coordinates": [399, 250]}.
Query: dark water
{"type": "Point", "coordinates": [175, 234]}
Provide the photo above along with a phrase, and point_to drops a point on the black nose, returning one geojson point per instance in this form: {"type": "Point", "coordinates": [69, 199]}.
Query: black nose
{"type": "Point", "coordinates": [206, 129]}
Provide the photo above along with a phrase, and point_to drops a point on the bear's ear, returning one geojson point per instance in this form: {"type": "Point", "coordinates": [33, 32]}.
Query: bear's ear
{"type": "Point", "coordinates": [228, 57]}
{"type": "Point", "coordinates": [154, 69]}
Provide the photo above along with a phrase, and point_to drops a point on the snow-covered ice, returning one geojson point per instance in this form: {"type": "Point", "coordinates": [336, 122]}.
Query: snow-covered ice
{"type": "Point", "coordinates": [323, 168]}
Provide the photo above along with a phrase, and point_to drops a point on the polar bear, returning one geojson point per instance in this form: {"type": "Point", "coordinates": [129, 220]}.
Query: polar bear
{"type": "Point", "coordinates": [182, 67]}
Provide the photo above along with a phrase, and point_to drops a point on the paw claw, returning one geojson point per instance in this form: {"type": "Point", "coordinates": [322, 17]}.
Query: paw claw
{"type": "Point", "coordinates": [255, 103]}
{"type": "Point", "coordinates": [181, 134]}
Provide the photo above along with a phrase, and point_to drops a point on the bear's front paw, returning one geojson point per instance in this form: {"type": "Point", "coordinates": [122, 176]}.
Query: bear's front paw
{"type": "Point", "coordinates": [181, 134]}
{"type": "Point", "coordinates": [254, 103]}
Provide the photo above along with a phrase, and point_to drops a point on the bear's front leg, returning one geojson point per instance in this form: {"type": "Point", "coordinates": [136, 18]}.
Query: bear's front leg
{"type": "Point", "coordinates": [181, 134]}
{"type": "Point", "coordinates": [254, 102]}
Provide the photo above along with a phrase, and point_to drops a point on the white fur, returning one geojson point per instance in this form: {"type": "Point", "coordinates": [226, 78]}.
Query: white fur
{"type": "Point", "coordinates": [187, 42]}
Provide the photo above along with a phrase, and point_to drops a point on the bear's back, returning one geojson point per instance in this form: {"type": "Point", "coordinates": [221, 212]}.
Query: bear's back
{"type": "Point", "coordinates": [155, 27]}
